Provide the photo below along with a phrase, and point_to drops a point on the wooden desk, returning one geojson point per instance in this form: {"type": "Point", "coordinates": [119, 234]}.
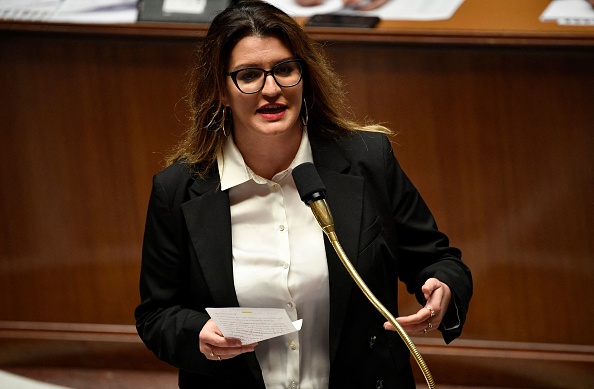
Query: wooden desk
{"type": "Point", "coordinates": [484, 22]}
{"type": "Point", "coordinates": [494, 121]}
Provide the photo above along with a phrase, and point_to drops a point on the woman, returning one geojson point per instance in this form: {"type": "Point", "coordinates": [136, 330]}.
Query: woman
{"type": "Point", "coordinates": [225, 225]}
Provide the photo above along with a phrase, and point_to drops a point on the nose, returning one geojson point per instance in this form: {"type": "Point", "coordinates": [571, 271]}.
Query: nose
{"type": "Point", "coordinates": [270, 85]}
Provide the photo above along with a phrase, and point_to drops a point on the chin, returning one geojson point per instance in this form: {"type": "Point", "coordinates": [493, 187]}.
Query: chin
{"type": "Point", "coordinates": [279, 128]}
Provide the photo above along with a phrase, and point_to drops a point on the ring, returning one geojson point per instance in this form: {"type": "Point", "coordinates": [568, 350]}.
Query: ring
{"type": "Point", "coordinates": [218, 356]}
{"type": "Point", "coordinates": [424, 330]}
{"type": "Point", "coordinates": [432, 312]}
{"type": "Point", "coordinates": [211, 354]}
{"type": "Point", "coordinates": [429, 325]}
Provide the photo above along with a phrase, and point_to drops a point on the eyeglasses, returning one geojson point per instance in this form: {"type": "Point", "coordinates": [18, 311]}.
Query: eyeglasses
{"type": "Point", "coordinates": [251, 80]}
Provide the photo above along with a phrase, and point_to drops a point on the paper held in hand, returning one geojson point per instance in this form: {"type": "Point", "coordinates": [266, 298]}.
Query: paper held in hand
{"type": "Point", "coordinates": [252, 325]}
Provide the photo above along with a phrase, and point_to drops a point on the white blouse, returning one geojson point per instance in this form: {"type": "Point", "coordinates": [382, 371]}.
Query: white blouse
{"type": "Point", "coordinates": [279, 261]}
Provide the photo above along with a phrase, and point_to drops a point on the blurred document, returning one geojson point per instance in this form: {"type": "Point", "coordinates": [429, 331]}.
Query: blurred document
{"type": "Point", "coordinates": [39, 10]}
{"type": "Point", "coordinates": [392, 10]}
{"type": "Point", "coordinates": [96, 11]}
{"type": "Point", "coordinates": [70, 11]}
{"type": "Point", "coordinates": [184, 6]}
{"type": "Point", "coordinates": [569, 12]}
{"type": "Point", "coordinates": [252, 325]}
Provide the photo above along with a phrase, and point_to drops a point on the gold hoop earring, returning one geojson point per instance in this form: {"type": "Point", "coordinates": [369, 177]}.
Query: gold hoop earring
{"type": "Point", "coordinates": [305, 119]}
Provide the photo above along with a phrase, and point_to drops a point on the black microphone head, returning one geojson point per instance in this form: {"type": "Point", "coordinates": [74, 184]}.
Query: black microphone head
{"type": "Point", "coordinates": [308, 182]}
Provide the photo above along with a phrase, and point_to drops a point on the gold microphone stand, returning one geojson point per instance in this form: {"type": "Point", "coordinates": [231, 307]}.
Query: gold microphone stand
{"type": "Point", "coordinates": [322, 214]}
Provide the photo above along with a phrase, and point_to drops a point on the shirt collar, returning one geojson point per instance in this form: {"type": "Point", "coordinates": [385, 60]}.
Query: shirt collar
{"type": "Point", "coordinates": [234, 171]}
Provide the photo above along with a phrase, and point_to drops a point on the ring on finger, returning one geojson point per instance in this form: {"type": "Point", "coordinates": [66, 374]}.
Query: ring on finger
{"type": "Point", "coordinates": [431, 311]}
{"type": "Point", "coordinates": [218, 356]}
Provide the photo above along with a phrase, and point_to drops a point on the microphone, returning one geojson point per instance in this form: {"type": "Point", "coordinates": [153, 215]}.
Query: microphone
{"type": "Point", "coordinates": [308, 182]}
{"type": "Point", "coordinates": [313, 193]}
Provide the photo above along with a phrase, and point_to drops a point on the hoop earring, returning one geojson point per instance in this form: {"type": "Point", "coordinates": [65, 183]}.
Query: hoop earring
{"type": "Point", "coordinates": [225, 133]}
{"type": "Point", "coordinates": [305, 119]}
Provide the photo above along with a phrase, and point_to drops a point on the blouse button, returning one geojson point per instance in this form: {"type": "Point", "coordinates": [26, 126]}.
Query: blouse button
{"type": "Point", "coordinates": [293, 345]}
{"type": "Point", "coordinates": [281, 227]}
{"type": "Point", "coordinates": [372, 341]}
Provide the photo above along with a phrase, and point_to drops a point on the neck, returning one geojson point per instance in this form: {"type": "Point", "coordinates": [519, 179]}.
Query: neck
{"type": "Point", "coordinates": [268, 155]}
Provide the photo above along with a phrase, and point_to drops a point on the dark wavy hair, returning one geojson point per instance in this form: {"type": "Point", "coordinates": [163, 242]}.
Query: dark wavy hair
{"type": "Point", "coordinates": [322, 88]}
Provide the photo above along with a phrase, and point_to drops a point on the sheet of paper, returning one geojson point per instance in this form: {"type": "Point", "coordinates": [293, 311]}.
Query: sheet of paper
{"type": "Point", "coordinates": [252, 325]}
{"type": "Point", "coordinates": [184, 6]}
{"type": "Point", "coordinates": [578, 12]}
{"type": "Point", "coordinates": [33, 10]}
{"type": "Point", "coordinates": [70, 11]}
{"type": "Point", "coordinates": [96, 11]}
{"type": "Point", "coordinates": [392, 10]}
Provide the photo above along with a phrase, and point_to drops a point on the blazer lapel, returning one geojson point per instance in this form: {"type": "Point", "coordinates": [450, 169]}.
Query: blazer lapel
{"type": "Point", "coordinates": [208, 219]}
{"type": "Point", "coordinates": [345, 200]}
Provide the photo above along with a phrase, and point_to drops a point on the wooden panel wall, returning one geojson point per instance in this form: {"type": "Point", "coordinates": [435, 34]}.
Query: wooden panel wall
{"type": "Point", "coordinates": [499, 140]}
{"type": "Point", "coordinates": [84, 126]}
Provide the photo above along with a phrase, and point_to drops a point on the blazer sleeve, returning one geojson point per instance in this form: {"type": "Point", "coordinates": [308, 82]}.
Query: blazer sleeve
{"type": "Point", "coordinates": [164, 319]}
{"type": "Point", "coordinates": [424, 251]}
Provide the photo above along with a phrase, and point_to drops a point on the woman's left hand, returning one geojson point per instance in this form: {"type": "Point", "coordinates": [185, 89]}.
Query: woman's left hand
{"type": "Point", "coordinates": [364, 5]}
{"type": "Point", "coordinates": [428, 318]}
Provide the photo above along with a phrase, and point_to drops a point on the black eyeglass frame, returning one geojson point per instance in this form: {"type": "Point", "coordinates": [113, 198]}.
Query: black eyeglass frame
{"type": "Point", "coordinates": [299, 62]}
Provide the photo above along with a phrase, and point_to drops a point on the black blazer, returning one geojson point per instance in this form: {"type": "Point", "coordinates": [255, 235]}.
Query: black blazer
{"type": "Point", "coordinates": [384, 226]}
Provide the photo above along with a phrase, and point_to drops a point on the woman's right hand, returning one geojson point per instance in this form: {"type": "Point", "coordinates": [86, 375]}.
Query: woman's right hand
{"type": "Point", "coordinates": [217, 348]}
